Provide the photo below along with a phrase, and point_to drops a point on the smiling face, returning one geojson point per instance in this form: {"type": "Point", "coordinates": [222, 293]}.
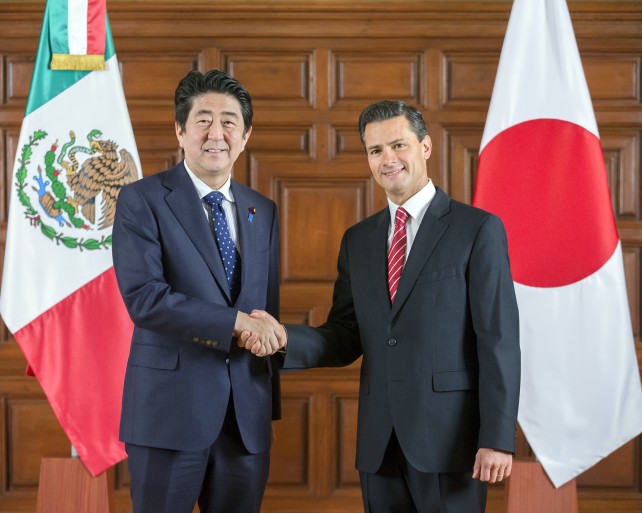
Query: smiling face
{"type": "Point", "coordinates": [213, 137]}
{"type": "Point", "coordinates": [397, 159]}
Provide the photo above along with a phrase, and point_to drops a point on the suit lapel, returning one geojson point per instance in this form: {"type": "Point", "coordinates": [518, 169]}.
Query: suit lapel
{"type": "Point", "coordinates": [430, 232]}
{"type": "Point", "coordinates": [185, 204]}
{"type": "Point", "coordinates": [246, 231]}
{"type": "Point", "coordinates": [379, 269]}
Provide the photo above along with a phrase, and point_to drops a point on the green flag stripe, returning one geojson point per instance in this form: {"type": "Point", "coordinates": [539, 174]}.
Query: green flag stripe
{"type": "Point", "coordinates": [58, 26]}
{"type": "Point", "coordinates": [46, 84]}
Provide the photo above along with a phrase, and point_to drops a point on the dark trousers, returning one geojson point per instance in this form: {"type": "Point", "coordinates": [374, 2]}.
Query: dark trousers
{"type": "Point", "coordinates": [223, 478]}
{"type": "Point", "coordinates": [397, 487]}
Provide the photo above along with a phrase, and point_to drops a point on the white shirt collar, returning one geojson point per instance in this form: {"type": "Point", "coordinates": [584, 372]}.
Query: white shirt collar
{"type": "Point", "coordinates": [203, 189]}
{"type": "Point", "coordinates": [416, 205]}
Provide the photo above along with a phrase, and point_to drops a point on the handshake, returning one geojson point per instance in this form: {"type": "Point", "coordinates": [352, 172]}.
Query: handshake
{"type": "Point", "coordinates": [260, 333]}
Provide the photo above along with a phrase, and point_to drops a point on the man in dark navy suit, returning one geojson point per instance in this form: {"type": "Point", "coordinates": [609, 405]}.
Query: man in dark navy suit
{"type": "Point", "coordinates": [424, 293]}
{"type": "Point", "coordinates": [194, 253]}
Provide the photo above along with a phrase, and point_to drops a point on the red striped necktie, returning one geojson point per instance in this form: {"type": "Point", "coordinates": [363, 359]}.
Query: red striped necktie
{"type": "Point", "coordinates": [397, 252]}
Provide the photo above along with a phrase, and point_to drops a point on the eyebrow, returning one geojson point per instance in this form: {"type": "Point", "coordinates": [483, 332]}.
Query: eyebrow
{"type": "Point", "coordinates": [209, 112]}
{"type": "Point", "coordinates": [388, 144]}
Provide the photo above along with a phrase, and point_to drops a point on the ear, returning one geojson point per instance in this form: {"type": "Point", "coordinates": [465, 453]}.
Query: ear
{"type": "Point", "coordinates": [426, 145]}
{"type": "Point", "coordinates": [179, 133]}
{"type": "Point", "coordinates": [245, 138]}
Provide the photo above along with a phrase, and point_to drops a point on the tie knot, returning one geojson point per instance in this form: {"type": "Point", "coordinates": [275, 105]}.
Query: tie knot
{"type": "Point", "coordinates": [214, 198]}
{"type": "Point", "coordinates": [401, 216]}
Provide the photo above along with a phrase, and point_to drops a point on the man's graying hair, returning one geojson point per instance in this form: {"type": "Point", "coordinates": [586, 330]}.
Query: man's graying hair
{"type": "Point", "coordinates": [388, 109]}
{"type": "Point", "coordinates": [196, 84]}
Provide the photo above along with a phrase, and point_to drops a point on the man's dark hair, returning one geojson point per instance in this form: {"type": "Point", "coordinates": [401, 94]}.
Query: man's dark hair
{"type": "Point", "coordinates": [196, 84]}
{"type": "Point", "coordinates": [388, 109]}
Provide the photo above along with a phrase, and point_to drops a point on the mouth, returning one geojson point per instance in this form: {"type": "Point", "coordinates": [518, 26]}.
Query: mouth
{"type": "Point", "coordinates": [392, 172]}
{"type": "Point", "coordinates": [215, 150]}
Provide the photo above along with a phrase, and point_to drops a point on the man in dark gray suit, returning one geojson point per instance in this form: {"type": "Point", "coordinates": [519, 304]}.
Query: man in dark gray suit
{"type": "Point", "coordinates": [424, 292]}
{"type": "Point", "coordinates": [194, 253]}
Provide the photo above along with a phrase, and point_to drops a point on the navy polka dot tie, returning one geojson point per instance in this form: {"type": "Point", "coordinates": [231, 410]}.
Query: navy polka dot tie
{"type": "Point", "coordinates": [227, 249]}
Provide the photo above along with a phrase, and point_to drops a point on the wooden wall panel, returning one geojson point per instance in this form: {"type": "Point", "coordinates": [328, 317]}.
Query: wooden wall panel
{"type": "Point", "coordinates": [468, 78]}
{"type": "Point", "coordinates": [290, 461]}
{"type": "Point", "coordinates": [346, 430]}
{"type": "Point", "coordinates": [282, 79]}
{"type": "Point", "coordinates": [32, 432]}
{"type": "Point", "coordinates": [613, 78]}
{"type": "Point", "coordinates": [358, 78]}
{"type": "Point", "coordinates": [154, 78]}
{"type": "Point", "coordinates": [459, 164]}
{"type": "Point", "coordinates": [622, 156]}
{"type": "Point", "coordinates": [17, 79]}
{"type": "Point", "coordinates": [311, 67]}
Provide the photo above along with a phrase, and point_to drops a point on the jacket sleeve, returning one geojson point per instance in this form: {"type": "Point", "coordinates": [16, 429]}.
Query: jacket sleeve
{"type": "Point", "coordinates": [496, 323]}
{"type": "Point", "coordinates": [149, 298]}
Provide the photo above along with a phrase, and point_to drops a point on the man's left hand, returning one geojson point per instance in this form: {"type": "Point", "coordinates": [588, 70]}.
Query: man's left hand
{"type": "Point", "coordinates": [492, 466]}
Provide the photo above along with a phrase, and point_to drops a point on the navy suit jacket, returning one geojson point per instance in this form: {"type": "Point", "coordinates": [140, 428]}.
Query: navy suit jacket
{"type": "Point", "coordinates": [442, 364]}
{"type": "Point", "coordinates": [183, 363]}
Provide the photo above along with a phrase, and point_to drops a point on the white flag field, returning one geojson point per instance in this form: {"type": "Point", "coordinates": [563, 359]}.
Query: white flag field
{"type": "Point", "coordinates": [542, 171]}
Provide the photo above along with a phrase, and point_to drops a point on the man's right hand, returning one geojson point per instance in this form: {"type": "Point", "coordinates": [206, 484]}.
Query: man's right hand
{"type": "Point", "coordinates": [259, 333]}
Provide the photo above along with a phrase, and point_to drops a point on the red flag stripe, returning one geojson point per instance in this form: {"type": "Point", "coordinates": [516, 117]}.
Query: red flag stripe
{"type": "Point", "coordinates": [82, 375]}
{"type": "Point", "coordinates": [96, 32]}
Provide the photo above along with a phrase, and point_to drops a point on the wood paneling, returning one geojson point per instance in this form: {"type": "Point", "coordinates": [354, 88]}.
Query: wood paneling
{"type": "Point", "coordinates": [358, 78]}
{"type": "Point", "coordinates": [613, 78]}
{"type": "Point", "coordinates": [279, 78]}
{"type": "Point", "coordinates": [622, 156]}
{"type": "Point", "coordinates": [32, 433]}
{"type": "Point", "coordinates": [17, 78]}
{"type": "Point", "coordinates": [311, 67]}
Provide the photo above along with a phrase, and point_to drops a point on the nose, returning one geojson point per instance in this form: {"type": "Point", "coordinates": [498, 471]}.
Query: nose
{"type": "Point", "coordinates": [215, 132]}
{"type": "Point", "coordinates": [389, 156]}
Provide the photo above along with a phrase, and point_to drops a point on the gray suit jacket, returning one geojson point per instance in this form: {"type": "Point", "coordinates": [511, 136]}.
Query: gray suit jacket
{"type": "Point", "coordinates": [442, 364]}
{"type": "Point", "coordinates": [171, 277]}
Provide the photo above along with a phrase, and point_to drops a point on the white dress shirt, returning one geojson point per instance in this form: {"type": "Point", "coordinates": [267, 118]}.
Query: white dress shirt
{"type": "Point", "coordinates": [416, 206]}
{"type": "Point", "coordinates": [229, 205]}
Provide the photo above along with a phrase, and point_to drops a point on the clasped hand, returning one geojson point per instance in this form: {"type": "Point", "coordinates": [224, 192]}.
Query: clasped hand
{"type": "Point", "coordinates": [259, 333]}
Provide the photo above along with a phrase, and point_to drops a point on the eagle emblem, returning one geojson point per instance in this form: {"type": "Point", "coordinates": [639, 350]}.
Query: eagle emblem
{"type": "Point", "coordinates": [74, 187]}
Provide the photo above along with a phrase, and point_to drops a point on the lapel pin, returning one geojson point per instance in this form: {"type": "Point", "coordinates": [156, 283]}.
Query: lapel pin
{"type": "Point", "coordinates": [251, 215]}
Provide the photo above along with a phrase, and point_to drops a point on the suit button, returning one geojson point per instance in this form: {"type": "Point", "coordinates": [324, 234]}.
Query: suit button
{"type": "Point", "coordinates": [392, 342]}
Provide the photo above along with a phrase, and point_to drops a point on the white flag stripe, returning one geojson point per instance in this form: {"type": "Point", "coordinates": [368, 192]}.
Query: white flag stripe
{"type": "Point", "coordinates": [539, 76]}
{"type": "Point", "coordinates": [21, 305]}
{"type": "Point", "coordinates": [579, 371]}
{"type": "Point", "coordinates": [77, 29]}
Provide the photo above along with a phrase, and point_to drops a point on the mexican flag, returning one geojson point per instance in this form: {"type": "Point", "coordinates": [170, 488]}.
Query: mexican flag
{"type": "Point", "coordinates": [59, 295]}
{"type": "Point", "coordinates": [541, 170]}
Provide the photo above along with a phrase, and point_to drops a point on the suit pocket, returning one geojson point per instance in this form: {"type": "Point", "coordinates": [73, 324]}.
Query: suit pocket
{"type": "Point", "coordinates": [153, 356]}
{"type": "Point", "coordinates": [450, 381]}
